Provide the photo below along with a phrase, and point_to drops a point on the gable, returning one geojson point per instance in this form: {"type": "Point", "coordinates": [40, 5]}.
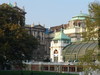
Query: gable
{"type": "Point", "coordinates": [38, 27]}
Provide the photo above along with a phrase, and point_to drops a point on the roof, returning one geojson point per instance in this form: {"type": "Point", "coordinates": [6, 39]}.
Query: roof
{"type": "Point", "coordinates": [80, 16]}
{"type": "Point", "coordinates": [58, 27]}
{"type": "Point", "coordinates": [17, 8]}
{"type": "Point", "coordinates": [47, 31]}
{"type": "Point", "coordinates": [61, 36]}
{"type": "Point", "coordinates": [80, 47]}
{"type": "Point", "coordinates": [74, 51]}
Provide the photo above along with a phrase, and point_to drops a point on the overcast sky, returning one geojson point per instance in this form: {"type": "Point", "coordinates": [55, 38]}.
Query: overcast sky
{"type": "Point", "coordinates": [51, 12]}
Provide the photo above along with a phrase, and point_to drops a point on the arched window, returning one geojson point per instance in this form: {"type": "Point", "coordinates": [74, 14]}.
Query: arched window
{"type": "Point", "coordinates": [55, 56]}
{"type": "Point", "coordinates": [55, 52]}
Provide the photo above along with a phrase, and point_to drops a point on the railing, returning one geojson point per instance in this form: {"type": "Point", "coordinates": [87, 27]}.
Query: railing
{"type": "Point", "coordinates": [54, 67]}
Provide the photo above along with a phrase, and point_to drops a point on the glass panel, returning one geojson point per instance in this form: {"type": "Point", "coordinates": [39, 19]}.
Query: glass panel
{"type": "Point", "coordinates": [55, 59]}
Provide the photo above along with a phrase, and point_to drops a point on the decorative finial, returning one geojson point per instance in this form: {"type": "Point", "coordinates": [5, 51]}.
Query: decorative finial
{"type": "Point", "coordinates": [39, 23]}
{"type": "Point", "coordinates": [61, 29]}
{"type": "Point", "coordinates": [81, 12]}
{"type": "Point", "coordinates": [23, 8]}
{"type": "Point", "coordinates": [62, 26]}
{"type": "Point", "coordinates": [32, 25]}
{"type": "Point", "coordinates": [15, 4]}
{"type": "Point", "coordinates": [44, 25]}
{"type": "Point", "coordinates": [55, 31]}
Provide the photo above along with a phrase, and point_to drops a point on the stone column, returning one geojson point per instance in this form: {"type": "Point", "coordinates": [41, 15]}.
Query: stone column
{"type": "Point", "coordinates": [48, 67]}
{"type": "Point", "coordinates": [39, 66]}
{"type": "Point", "coordinates": [75, 68]}
{"type": "Point", "coordinates": [68, 69]}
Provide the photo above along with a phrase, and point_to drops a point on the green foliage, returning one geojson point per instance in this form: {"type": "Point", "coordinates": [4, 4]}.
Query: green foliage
{"type": "Point", "coordinates": [94, 9]}
{"type": "Point", "coordinates": [93, 22]}
{"type": "Point", "coordinates": [11, 15]}
{"type": "Point", "coordinates": [46, 60]}
{"type": "Point", "coordinates": [92, 31]}
{"type": "Point", "coordinates": [89, 60]}
{"type": "Point", "coordinates": [30, 73]}
{"type": "Point", "coordinates": [16, 45]}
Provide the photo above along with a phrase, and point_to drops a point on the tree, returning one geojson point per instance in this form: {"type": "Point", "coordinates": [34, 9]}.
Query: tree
{"type": "Point", "coordinates": [93, 24]}
{"type": "Point", "coordinates": [90, 32]}
{"type": "Point", "coordinates": [13, 15]}
{"type": "Point", "coordinates": [16, 45]}
{"type": "Point", "coordinates": [89, 60]}
{"type": "Point", "coordinates": [94, 9]}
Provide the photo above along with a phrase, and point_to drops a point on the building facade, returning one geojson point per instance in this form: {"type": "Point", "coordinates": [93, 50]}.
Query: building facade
{"type": "Point", "coordinates": [41, 33]}
{"type": "Point", "coordinates": [57, 44]}
{"type": "Point", "coordinates": [55, 41]}
{"type": "Point", "coordinates": [73, 29]}
{"type": "Point", "coordinates": [61, 51]}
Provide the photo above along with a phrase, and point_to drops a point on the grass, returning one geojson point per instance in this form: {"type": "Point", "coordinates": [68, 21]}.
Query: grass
{"type": "Point", "coordinates": [31, 73]}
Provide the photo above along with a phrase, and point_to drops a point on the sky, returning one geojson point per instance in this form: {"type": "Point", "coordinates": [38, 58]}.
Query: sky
{"type": "Point", "coordinates": [51, 12]}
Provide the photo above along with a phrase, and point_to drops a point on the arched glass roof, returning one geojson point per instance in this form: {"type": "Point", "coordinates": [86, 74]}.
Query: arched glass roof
{"type": "Point", "coordinates": [80, 48]}
{"type": "Point", "coordinates": [73, 51]}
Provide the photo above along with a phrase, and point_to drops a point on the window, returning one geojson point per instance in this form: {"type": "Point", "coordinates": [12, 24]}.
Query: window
{"type": "Point", "coordinates": [64, 68]}
{"type": "Point", "coordinates": [68, 41]}
{"type": "Point", "coordinates": [65, 41]}
{"type": "Point", "coordinates": [45, 68]}
{"type": "Point", "coordinates": [52, 68]}
{"type": "Point", "coordinates": [55, 52]}
{"type": "Point", "coordinates": [79, 24]}
{"type": "Point", "coordinates": [55, 59]}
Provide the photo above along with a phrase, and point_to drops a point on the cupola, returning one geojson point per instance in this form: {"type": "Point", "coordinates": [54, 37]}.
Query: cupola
{"type": "Point", "coordinates": [62, 36]}
{"type": "Point", "coordinates": [80, 16]}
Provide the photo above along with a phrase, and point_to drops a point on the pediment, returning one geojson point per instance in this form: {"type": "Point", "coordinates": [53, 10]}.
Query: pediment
{"type": "Point", "coordinates": [39, 27]}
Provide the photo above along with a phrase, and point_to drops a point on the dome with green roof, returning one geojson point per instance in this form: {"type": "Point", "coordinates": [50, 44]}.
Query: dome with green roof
{"type": "Point", "coordinates": [80, 16]}
{"type": "Point", "coordinates": [61, 36]}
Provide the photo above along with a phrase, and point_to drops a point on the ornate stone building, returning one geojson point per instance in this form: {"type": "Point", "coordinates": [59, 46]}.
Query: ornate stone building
{"type": "Point", "coordinates": [64, 51]}
{"type": "Point", "coordinates": [73, 29]}
{"type": "Point", "coordinates": [59, 41]}
{"type": "Point", "coordinates": [41, 33]}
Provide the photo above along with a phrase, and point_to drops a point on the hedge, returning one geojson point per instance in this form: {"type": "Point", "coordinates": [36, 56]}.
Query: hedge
{"type": "Point", "coordinates": [32, 73]}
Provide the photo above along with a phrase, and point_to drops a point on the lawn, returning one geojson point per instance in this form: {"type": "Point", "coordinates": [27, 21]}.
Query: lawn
{"type": "Point", "coordinates": [31, 73]}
